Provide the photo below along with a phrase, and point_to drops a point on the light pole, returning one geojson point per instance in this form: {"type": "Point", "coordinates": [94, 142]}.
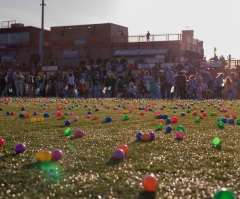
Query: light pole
{"type": "Point", "coordinates": [41, 48]}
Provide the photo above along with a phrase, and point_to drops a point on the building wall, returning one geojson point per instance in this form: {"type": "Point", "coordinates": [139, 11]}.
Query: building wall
{"type": "Point", "coordinates": [72, 44]}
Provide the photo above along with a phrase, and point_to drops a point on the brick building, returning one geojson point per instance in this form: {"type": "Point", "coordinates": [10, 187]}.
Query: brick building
{"type": "Point", "coordinates": [69, 45]}
{"type": "Point", "coordinates": [19, 44]}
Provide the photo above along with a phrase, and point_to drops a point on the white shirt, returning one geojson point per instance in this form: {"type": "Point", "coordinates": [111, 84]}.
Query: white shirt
{"type": "Point", "coordinates": [71, 80]}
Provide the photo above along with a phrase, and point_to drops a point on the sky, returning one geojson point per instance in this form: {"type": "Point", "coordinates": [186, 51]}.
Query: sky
{"type": "Point", "coordinates": [215, 22]}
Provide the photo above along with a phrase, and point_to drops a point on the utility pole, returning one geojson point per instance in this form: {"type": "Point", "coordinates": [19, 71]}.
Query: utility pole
{"type": "Point", "coordinates": [41, 47]}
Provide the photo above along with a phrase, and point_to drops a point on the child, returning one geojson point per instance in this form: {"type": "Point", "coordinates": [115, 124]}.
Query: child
{"type": "Point", "coordinates": [205, 90]}
{"type": "Point", "coordinates": [132, 91]}
{"type": "Point", "coordinates": [198, 80]}
{"type": "Point", "coordinates": [229, 87]}
{"type": "Point", "coordinates": [192, 87]}
{"type": "Point", "coordinates": [154, 88]}
{"type": "Point", "coordinates": [218, 84]}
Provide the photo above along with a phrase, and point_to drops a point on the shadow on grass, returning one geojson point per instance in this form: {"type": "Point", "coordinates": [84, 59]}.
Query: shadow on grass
{"type": "Point", "coordinates": [35, 165]}
{"type": "Point", "coordinates": [2, 158]}
{"type": "Point", "coordinates": [142, 141]}
{"type": "Point", "coordinates": [218, 148]}
{"type": "Point", "coordinates": [113, 162]}
{"type": "Point", "coordinates": [147, 195]}
{"type": "Point", "coordinates": [179, 139]}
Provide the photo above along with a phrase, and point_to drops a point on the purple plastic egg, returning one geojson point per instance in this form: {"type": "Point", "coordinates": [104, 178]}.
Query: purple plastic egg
{"type": "Point", "coordinates": [57, 154]}
{"type": "Point", "coordinates": [152, 135]}
{"type": "Point", "coordinates": [20, 148]}
{"type": "Point", "coordinates": [118, 154]}
{"type": "Point", "coordinates": [79, 133]}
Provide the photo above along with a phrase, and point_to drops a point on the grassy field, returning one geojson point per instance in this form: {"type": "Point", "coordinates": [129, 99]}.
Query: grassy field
{"type": "Point", "coordinates": [190, 168]}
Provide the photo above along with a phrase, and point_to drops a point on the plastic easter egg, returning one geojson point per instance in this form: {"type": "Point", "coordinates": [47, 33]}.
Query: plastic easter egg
{"type": "Point", "coordinates": [150, 183]}
{"type": "Point", "coordinates": [68, 131]}
{"type": "Point", "coordinates": [216, 142]}
{"type": "Point", "coordinates": [41, 119]}
{"type": "Point", "coordinates": [67, 123]}
{"type": "Point", "coordinates": [19, 148]}
{"type": "Point", "coordinates": [224, 120]}
{"type": "Point", "coordinates": [126, 117]}
{"type": "Point", "coordinates": [179, 134]}
{"type": "Point", "coordinates": [95, 117]}
{"type": "Point", "coordinates": [220, 124]}
{"type": "Point", "coordinates": [57, 155]}
{"type": "Point", "coordinates": [212, 114]}
{"type": "Point", "coordinates": [44, 156]}
{"type": "Point", "coordinates": [159, 126]}
{"type": "Point", "coordinates": [139, 135]}
{"type": "Point", "coordinates": [197, 120]}
{"type": "Point", "coordinates": [27, 116]}
{"type": "Point", "coordinates": [35, 113]}
{"type": "Point", "coordinates": [118, 154]}
{"type": "Point", "coordinates": [238, 121]}
{"type": "Point", "coordinates": [168, 121]}
{"type": "Point", "coordinates": [234, 116]}
{"type": "Point", "coordinates": [142, 113]}
{"type": "Point", "coordinates": [108, 119]}
{"type": "Point", "coordinates": [70, 113]}
{"type": "Point", "coordinates": [194, 113]}
{"type": "Point", "coordinates": [161, 121]}
{"type": "Point", "coordinates": [21, 115]}
{"type": "Point", "coordinates": [79, 133]}
{"type": "Point", "coordinates": [165, 116]}
{"type": "Point", "coordinates": [75, 119]}
{"type": "Point", "coordinates": [180, 128]}
{"type": "Point", "coordinates": [33, 120]}
{"type": "Point", "coordinates": [168, 129]}
{"type": "Point", "coordinates": [12, 113]}
{"type": "Point", "coordinates": [146, 137]}
{"type": "Point", "coordinates": [1, 141]}
{"type": "Point", "coordinates": [231, 121]}
{"type": "Point", "coordinates": [46, 115]}
{"type": "Point", "coordinates": [152, 135]}
{"type": "Point", "coordinates": [88, 116]}
{"type": "Point", "coordinates": [174, 120]}
{"type": "Point", "coordinates": [224, 194]}
{"type": "Point", "coordinates": [124, 148]}
{"type": "Point", "coordinates": [183, 114]}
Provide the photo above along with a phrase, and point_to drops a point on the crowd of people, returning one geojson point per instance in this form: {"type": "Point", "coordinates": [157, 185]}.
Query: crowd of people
{"type": "Point", "coordinates": [109, 82]}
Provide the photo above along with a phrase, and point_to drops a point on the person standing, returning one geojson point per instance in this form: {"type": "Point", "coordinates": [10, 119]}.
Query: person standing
{"type": "Point", "coordinates": [148, 36]}
{"type": "Point", "coordinates": [219, 83]}
{"type": "Point", "coordinates": [18, 81]}
{"type": "Point", "coordinates": [170, 81]}
{"type": "Point", "coordinates": [147, 80]}
{"type": "Point", "coordinates": [113, 83]}
{"type": "Point", "coordinates": [96, 85]}
{"type": "Point", "coordinates": [198, 80]}
{"type": "Point", "coordinates": [163, 84]}
{"type": "Point", "coordinates": [229, 87]}
{"type": "Point", "coordinates": [181, 82]}
{"type": "Point", "coordinates": [71, 85]}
